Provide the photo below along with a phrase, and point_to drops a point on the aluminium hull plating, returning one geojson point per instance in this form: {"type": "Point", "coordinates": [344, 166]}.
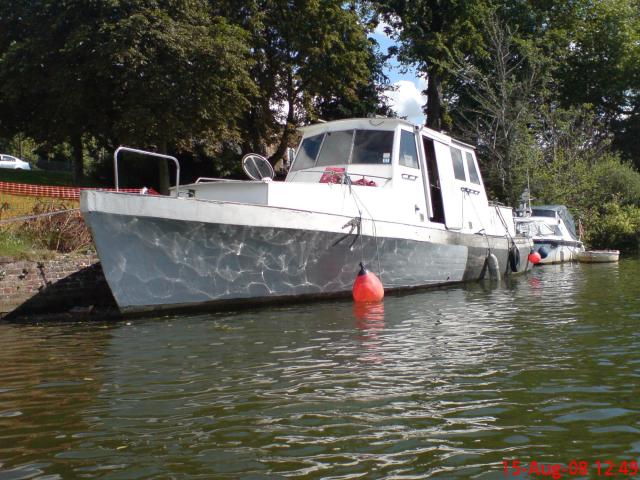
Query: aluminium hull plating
{"type": "Point", "coordinates": [154, 263]}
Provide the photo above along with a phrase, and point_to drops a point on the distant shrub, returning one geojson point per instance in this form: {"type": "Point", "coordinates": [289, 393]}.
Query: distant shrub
{"type": "Point", "coordinates": [617, 226]}
{"type": "Point", "coordinates": [617, 180]}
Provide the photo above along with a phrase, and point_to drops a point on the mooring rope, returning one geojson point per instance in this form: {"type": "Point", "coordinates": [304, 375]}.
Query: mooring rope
{"type": "Point", "coordinates": [40, 215]}
{"type": "Point", "coordinates": [358, 202]}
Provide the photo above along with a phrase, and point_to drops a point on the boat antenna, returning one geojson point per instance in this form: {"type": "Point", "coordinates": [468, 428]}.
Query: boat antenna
{"type": "Point", "coordinates": [524, 209]}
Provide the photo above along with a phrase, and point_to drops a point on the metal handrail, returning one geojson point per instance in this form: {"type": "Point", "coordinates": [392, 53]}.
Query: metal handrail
{"type": "Point", "coordinates": [213, 179]}
{"type": "Point", "coordinates": [150, 154]}
{"type": "Point", "coordinates": [345, 173]}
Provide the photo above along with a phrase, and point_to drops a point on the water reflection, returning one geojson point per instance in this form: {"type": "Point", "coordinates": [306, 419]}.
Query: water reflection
{"type": "Point", "coordinates": [370, 321]}
{"type": "Point", "coordinates": [445, 383]}
{"type": "Point", "coordinates": [48, 375]}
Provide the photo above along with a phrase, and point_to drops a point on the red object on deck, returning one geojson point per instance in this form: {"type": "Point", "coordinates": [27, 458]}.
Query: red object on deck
{"type": "Point", "coordinates": [367, 287]}
{"type": "Point", "coordinates": [367, 183]}
{"type": "Point", "coordinates": [332, 175]}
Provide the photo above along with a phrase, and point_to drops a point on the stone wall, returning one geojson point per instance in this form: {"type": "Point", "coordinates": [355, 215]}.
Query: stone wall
{"type": "Point", "coordinates": [64, 284]}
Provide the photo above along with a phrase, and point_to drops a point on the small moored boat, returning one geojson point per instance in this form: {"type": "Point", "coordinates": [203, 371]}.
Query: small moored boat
{"type": "Point", "coordinates": [599, 256]}
{"type": "Point", "coordinates": [552, 229]}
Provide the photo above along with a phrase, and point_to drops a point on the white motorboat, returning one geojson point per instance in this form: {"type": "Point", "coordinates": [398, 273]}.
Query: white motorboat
{"type": "Point", "coordinates": [407, 201]}
{"type": "Point", "coordinates": [552, 229]}
{"type": "Point", "coordinates": [599, 256]}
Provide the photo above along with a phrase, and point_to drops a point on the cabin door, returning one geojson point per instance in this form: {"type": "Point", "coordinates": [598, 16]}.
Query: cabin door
{"type": "Point", "coordinates": [450, 187]}
{"type": "Point", "coordinates": [410, 176]}
{"type": "Point", "coordinates": [436, 210]}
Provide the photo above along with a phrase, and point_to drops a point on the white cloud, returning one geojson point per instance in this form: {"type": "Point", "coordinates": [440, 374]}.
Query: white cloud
{"type": "Point", "coordinates": [407, 99]}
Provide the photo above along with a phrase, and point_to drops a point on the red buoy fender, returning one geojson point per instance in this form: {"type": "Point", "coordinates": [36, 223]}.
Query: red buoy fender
{"type": "Point", "coordinates": [367, 287]}
{"type": "Point", "coordinates": [535, 257]}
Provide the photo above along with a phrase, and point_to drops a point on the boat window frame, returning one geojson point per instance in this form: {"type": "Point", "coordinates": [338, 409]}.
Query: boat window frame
{"type": "Point", "coordinates": [378, 131]}
{"type": "Point", "coordinates": [470, 159]}
{"type": "Point", "coordinates": [462, 164]}
{"type": "Point", "coordinates": [415, 144]}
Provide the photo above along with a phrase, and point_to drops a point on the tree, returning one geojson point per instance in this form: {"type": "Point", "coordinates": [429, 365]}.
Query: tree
{"type": "Point", "coordinates": [370, 98]}
{"type": "Point", "coordinates": [47, 87]}
{"type": "Point", "coordinates": [323, 66]}
{"type": "Point", "coordinates": [179, 77]}
{"type": "Point", "coordinates": [428, 30]}
{"type": "Point", "coordinates": [602, 68]}
{"type": "Point", "coordinates": [165, 74]}
{"type": "Point", "coordinates": [496, 90]}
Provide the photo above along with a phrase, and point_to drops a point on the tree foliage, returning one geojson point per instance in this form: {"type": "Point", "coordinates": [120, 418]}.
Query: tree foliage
{"type": "Point", "coordinates": [493, 106]}
{"type": "Point", "coordinates": [508, 98]}
{"type": "Point", "coordinates": [148, 73]}
{"type": "Point", "coordinates": [312, 59]}
{"type": "Point", "coordinates": [192, 76]}
{"type": "Point", "coordinates": [427, 31]}
{"type": "Point", "coordinates": [601, 65]}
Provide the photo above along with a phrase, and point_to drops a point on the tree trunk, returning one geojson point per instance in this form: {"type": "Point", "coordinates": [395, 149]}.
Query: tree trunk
{"type": "Point", "coordinates": [289, 126]}
{"type": "Point", "coordinates": [164, 181]}
{"type": "Point", "coordinates": [78, 158]}
{"type": "Point", "coordinates": [434, 99]}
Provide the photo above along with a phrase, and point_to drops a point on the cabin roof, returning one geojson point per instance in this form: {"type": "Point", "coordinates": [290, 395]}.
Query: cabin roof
{"type": "Point", "coordinates": [381, 122]}
{"type": "Point", "coordinates": [377, 123]}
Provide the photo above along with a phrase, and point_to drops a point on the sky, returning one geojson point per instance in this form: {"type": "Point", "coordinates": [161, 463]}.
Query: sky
{"type": "Point", "coordinates": [407, 100]}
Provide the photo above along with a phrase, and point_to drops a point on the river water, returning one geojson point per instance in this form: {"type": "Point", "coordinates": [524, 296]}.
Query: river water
{"type": "Point", "coordinates": [450, 383]}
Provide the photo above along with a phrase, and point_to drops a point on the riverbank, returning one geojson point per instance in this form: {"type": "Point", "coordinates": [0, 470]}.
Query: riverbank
{"type": "Point", "coordinates": [65, 286]}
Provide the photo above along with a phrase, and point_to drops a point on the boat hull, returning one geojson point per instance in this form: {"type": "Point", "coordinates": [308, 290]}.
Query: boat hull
{"type": "Point", "coordinates": [599, 256]}
{"type": "Point", "coordinates": [155, 263]}
{"type": "Point", "coordinates": [559, 251]}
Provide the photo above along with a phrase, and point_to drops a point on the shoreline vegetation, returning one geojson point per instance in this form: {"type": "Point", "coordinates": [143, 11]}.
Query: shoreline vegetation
{"type": "Point", "coordinates": [47, 236]}
{"type": "Point", "coordinates": [549, 92]}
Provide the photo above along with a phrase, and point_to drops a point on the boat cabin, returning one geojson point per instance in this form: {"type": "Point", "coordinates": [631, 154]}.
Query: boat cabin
{"type": "Point", "coordinates": [546, 221]}
{"type": "Point", "coordinates": [398, 171]}
{"type": "Point", "coordinates": [439, 174]}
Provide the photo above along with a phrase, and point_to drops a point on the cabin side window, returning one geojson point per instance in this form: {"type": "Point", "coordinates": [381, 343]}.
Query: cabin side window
{"type": "Point", "coordinates": [372, 146]}
{"type": "Point", "coordinates": [408, 150]}
{"type": "Point", "coordinates": [458, 164]}
{"type": "Point", "coordinates": [471, 167]}
{"type": "Point", "coordinates": [307, 153]}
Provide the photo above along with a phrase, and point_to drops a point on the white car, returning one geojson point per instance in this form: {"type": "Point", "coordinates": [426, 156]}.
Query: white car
{"type": "Point", "coordinates": [7, 161]}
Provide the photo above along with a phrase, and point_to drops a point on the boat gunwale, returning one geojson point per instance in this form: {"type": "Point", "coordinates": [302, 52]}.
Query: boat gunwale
{"type": "Point", "coordinates": [431, 226]}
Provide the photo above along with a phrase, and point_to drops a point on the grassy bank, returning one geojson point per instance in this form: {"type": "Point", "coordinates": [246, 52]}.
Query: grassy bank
{"type": "Point", "coordinates": [46, 235]}
{"type": "Point", "coordinates": [38, 177]}
{"type": "Point", "coordinates": [15, 247]}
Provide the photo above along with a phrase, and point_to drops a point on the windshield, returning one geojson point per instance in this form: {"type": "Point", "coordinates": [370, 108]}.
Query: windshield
{"type": "Point", "coordinates": [543, 229]}
{"type": "Point", "coordinates": [308, 153]}
{"type": "Point", "coordinates": [540, 212]}
{"type": "Point", "coordinates": [345, 147]}
{"type": "Point", "coordinates": [372, 146]}
{"type": "Point", "coordinates": [336, 148]}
